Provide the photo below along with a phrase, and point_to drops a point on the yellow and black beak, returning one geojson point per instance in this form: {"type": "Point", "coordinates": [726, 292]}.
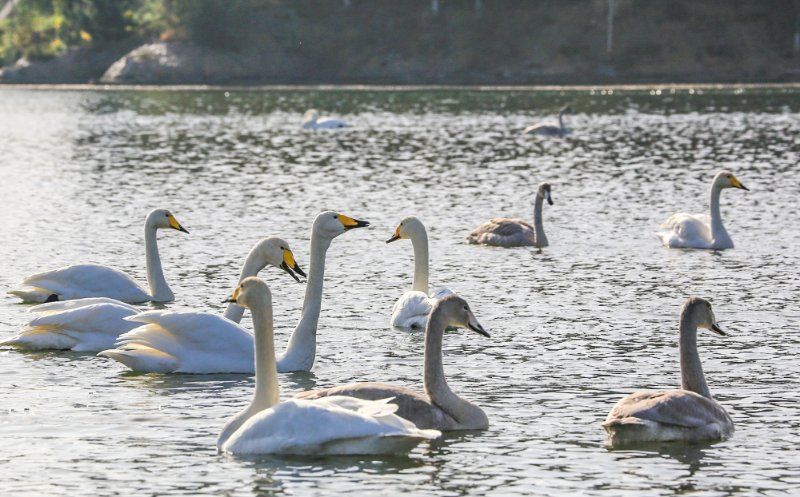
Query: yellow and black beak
{"type": "Point", "coordinates": [174, 224]}
{"type": "Point", "coordinates": [290, 265]}
{"type": "Point", "coordinates": [395, 236]}
{"type": "Point", "coordinates": [232, 299]}
{"type": "Point", "coordinates": [350, 223]}
{"type": "Point", "coordinates": [716, 329]}
{"type": "Point", "coordinates": [738, 184]}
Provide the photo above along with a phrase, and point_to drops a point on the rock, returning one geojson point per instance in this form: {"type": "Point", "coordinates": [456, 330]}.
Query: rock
{"type": "Point", "coordinates": [186, 63]}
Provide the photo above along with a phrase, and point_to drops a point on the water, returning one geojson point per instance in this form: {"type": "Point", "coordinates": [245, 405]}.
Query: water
{"type": "Point", "coordinates": [574, 328]}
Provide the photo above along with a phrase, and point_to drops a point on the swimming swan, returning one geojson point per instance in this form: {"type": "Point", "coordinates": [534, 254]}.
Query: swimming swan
{"type": "Point", "coordinates": [311, 120]}
{"type": "Point", "coordinates": [689, 414]}
{"type": "Point", "coordinates": [334, 425]}
{"type": "Point", "coordinates": [507, 232]}
{"type": "Point", "coordinates": [702, 232]}
{"type": "Point", "coordinates": [543, 129]}
{"type": "Point", "coordinates": [92, 280]}
{"type": "Point", "coordinates": [412, 308]}
{"type": "Point", "coordinates": [440, 408]}
{"type": "Point", "coordinates": [202, 343]}
{"type": "Point", "coordinates": [95, 324]}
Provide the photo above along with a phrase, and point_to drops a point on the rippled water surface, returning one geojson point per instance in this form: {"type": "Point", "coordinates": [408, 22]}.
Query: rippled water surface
{"type": "Point", "coordinates": [574, 327]}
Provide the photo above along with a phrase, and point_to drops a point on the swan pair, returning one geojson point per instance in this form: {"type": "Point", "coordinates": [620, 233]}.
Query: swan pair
{"type": "Point", "coordinates": [311, 120]}
{"type": "Point", "coordinates": [334, 425]}
{"type": "Point", "coordinates": [688, 414]}
{"type": "Point", "coordinates": [201, 343]}
{"type": "Point", "coordinates": [543, 129]}
{"type": "Point", "coordinates": [92, 280]}
{"type": "Point", "coordinates": [702, 232]}
{"type": "Point", "coordinates": [95, 324]}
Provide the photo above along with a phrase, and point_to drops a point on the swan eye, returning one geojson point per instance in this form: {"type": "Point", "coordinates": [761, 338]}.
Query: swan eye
{"type": "Point", "coordinates": [466, 307]}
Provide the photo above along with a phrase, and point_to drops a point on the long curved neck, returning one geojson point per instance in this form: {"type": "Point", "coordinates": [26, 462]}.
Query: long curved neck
{"type": "Point", "coordinates": [300, 352]}
{"type": "Point", "coordinates": [692, 377]}
{"type": "Point", "coordinates": [252, 266]}
{"type": "Point", "coordinates": [267, 392]}
{"type": "Point", "coordinates": [419, 240]}
{"type": "Point", "coordinates": [541, 238]}
{"type": "Point", "coordinates": [717, 229]}
{"type": "Point", "coordinates": [435, 384]}
{"type": "Point", "coordinates": [561, 120]}
{"type": "Point", "coordinates": [159, 290]}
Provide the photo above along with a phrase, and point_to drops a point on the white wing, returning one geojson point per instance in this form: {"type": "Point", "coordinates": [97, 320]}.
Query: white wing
{"type": "Point", "coordinates": [330, 425]}
{"type": "Point", "coordinates": [81, 281]}
{"type": "Point", "coordinates": [412, 308]}
{"type": "Point", "coordinates": [88, 327]}
{"type": "Point", "coordinates": [686, 231]}
{"type": "Point", "coordinates": [185, 342]}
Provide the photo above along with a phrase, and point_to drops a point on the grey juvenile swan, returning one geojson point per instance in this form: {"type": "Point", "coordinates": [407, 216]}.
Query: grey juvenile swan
{"type": "Point", "coordinates": [548, 129]}
{"type": "Point", "coordinates": [688, 414]}
{"type": "Point", "coordinates": [508, 232]}
{"type": "Point", "coordinates": [439, 408]}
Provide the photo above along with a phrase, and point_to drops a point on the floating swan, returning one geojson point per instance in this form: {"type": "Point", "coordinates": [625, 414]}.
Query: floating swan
{"type": "Point", "coordinates": [311, 120]}
{"type": "Point", "coordinates": [202, 343]}
{"type": "Point", "coordinates": [333, 425]}
{"type": "Point", "coordinates": [92, 280]}
{"type": "Point", "coordinates": [95, 324]}
{"type": "Point", "coordinates": [702, 232]}
{"type": "Point", "coordinates": [689, 414]}
{"type": "Point", "coordinates": [507, 232]}
{"type": "Point", "coordinates": [412, 308]}
{"type": "Point", "coordinates": [548, 129]}
{"type": "Point", "coordinates": [440, 408]}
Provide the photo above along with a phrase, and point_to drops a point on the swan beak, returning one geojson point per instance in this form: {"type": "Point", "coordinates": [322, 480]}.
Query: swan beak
{"type": "Point", "coordinates": [475, 326]}
{"type": "Point", "coordinates": [290, 265]}
{"type": "Point", "coordinates": [174, 224]}
{"type": "Point", "coordinates": [232, 298]}
{"type": "Point", "coordinates": [716, 329]}
{"type": "Point", "coordinates": [548, 197]}
{"type": "Point", "coordinates": [395, 236]}
{"type": "Point", "coordinates": [350, 223]}
{"type": "Point", "coordinates": [738, 184]}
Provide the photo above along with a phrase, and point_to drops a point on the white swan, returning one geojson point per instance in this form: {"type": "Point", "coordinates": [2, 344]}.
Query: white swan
{"type": "Point", "coordinates": [311, 120]}
{"type": "Point", "coordinates": [334, 425]}
{"type": "Point", "coordinates": [688, 414]}
{"type": "Point", "coordinates": [702, 232]}
{"type": "Point", "coordinates": [412, 308]}
{"type": "Point", "coordinates": [201, 343]}
{"type": "Point", "coordinates": [508, 232]}
{"type": "Point", "coordinates": [440, 408]}
{"type": "Point", "coordinates": [92, 280]}
{"type": "Point", "coordinates": [543, 129]}
{"type": "Point", "coordinates": [95, 324]}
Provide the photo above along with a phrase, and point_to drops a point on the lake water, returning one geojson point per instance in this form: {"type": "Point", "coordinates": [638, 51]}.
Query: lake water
{"type": "Point", "coordinates": [574, 327]}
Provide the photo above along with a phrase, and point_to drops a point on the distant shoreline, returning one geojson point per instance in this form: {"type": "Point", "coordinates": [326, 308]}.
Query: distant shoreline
{"type": "Point", "coordinates": [403, 88]}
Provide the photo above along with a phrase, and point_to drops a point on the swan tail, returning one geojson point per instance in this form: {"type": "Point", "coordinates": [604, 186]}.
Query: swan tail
{"type": "Point", "coordinates": [142, 358]}
{"type": "Point", "coordinates": [34, 294]}
{"type": "Point", "coordinates": [41, 338]}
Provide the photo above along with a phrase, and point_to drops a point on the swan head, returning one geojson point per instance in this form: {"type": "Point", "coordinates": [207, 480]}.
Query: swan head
{"type": "Point", "coordinates": [566, 110]}
{"type": "Point", "coordinates": [458, 314]}
{"type": "Point", "coordinates": [311, 116]}
{"type": "Point", "coordinates": [275, 252]}
{"type": "Point", "coordinates": [162, 218]}
{"type": "Point", "coordinates": [331, 224]}
{"type": "Point", "coordinates": [726, 179]}
{"type": "Point", "coordinates": [544, 192]}
{"type": "Point", "coordinates": [251, 292]}
{"type": "Point", "coordinates": [699, 311]}
{"type": "Point", "coordinates": [407, 227]}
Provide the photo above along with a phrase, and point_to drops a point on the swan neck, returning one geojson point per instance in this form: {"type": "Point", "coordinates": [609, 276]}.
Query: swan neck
{"type": "Point", "coordinates": [302, 344]}
{"type": "Point", "coordinates": [692, 377]}
{"type": "Point", "coordinates": [717, 228]}
{"type": "Point", "coordinates": [541, 238]}
{"type": "Point", "coordinates": [267, 391]}
{"type": "Point", "coordinates": [561, 120]}
{"type": "Point", "coordinates": [252, 266]}
{"type": "Point", "coordinates": [159, 289]}
{"type": "Point", "coordinates": [419, 241]}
